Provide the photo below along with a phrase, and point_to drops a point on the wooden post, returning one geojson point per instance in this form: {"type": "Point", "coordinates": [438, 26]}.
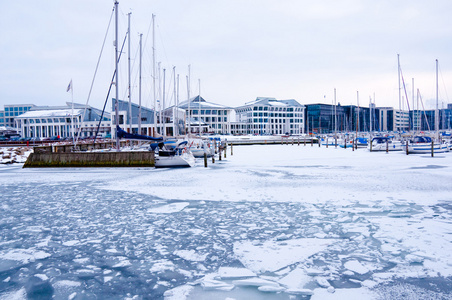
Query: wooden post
{"type": "Point", "coordinates": [205, 160]}
{"type": "Point", "coordinates": [312, 141]}
{"type": "Point", "coordinates": [432, 147]}
{"type": "Point", "coordinates": [327, 142]}
{"type": "Point", "coordinates": [298, 141]}
{"type": "Point", "coordinates": [345, 143]}
{"type": "Point", "coordinates": [353, 145]}
{"type": "Point", "coordinates": [406, 147]}
{"type": "Point", "coordinates": [318, 140]}
{"type": "Point", "coordinates": [213, 158]}
{"type": "Point", "coordinates": [219, 152]}
{"type": "Point", "coordinates": [304, 140]}
{"type": "Point", "coordinates": [225, 146]}
{"type": "Point", "coordinates": [335, 142]}
{"type": "Point", "coordinates": [231, 150]}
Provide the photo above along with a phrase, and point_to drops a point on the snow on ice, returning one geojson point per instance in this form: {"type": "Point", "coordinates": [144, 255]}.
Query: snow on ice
{"type": "Point", "coordinates": [269, 222]}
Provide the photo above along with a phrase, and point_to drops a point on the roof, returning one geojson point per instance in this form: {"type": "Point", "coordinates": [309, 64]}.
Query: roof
{"type": "Point", "coordinates": [51, 113]}
{"type": "Point", "coordinates": [198, 101]}
{"type": "Point", "coordinates": [268, 101]}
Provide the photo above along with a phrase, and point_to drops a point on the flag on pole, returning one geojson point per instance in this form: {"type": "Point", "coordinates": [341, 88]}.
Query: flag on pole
{"type": "Point", "coordinates": [69, 87]}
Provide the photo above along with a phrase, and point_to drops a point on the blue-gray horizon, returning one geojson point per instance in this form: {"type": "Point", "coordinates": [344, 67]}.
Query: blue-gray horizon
{"type": "Point", "coordinates": [239, 50]}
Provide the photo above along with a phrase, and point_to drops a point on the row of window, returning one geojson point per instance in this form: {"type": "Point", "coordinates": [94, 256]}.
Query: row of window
{"type": "Point", "coordinates": [22, 109]}
{"type": "Point", "coordinates": [55, 120]}
{"type": "Point", "coordinates": [271, 108]}
{"type": "Point", "coordinates": [214, 119]}
{"type": "Point", "coordinates": [13, 114]}
{"type": "Point", "coordinates": [274, 115]}
{"type": "Point", "coordinates": [209, 112]}
{"type": "Point", "coordinates": [277, 121]}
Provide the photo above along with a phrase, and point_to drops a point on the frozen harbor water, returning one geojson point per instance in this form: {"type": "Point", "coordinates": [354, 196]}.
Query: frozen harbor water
{"type": "Point", "coordinates": [269, 222]}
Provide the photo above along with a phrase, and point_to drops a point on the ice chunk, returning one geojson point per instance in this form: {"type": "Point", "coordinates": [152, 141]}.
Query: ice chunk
{"type": "Point", "coordinates": [323, 282]}
{"type": "Point", "coordinates": [169, 208]}
{"type": "Point", "coordinates": [190, 255]}
{"type": "Point", "coordinates": [300, 292]}
{"type": "Point", "coordinates": [178, 293]}
{"type": "Point", "coordinates": [297, 279]}
{"type": "Point", "coordinates": [23, 255]}
{"type": "Point", "coordinates": [20, 294]}
{"type": "Point", "coordinates": [233, 273]}
{"type": "Point", "coordinates": [71, 243]}
{"type": "Point", "coordinates": [313, 272]}
{"type": "Point", "coordinates": [211, 284]}
{"type": "Point", "coordinates": [272, 256]}
{"type": "Point", "coordinates": [162, 265]}
{"type": "Point", "coordinates": [255, 282]}
{"type": "Point", "coordinates": [271, 289]}
{"type": "Point", "coordinates": [356, 266]}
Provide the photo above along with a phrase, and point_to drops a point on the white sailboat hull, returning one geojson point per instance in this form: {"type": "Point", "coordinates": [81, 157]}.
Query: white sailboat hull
{"type": "Point", "coordinates": [392, 146]}
{"type": "Point", "coordinates": [425, 148]}
{"type": "Point", "coordinates": [184, 160]}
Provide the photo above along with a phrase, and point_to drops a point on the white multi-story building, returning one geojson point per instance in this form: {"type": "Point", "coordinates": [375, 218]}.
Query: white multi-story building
{"type": "Point", "coordinates": [270, 116]}
{"type": "Point", "coordinates": [207, 116]}
{"type": "Point", "coordinates": [63, 121]}
{"type": "Point", "coordinates": [12, 111]}
{"type": "Point", "coordinates": [392, 119]}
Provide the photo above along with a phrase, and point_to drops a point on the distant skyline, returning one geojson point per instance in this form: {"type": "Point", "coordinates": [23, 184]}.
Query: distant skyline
{"type": "Point", "coordinates": [237, 50]}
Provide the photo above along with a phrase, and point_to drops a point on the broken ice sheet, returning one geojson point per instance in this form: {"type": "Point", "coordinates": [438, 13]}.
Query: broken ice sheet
{"type": "Point", "coordinates": [272, 256]}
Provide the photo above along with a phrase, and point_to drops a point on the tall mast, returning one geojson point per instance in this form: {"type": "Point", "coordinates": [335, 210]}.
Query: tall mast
{"type": "Point", "coordinates": [414, 110]}
{"type": "Point", "coordinates": [188, 94]}
{"type": "Point", "coordinates": [335, 113]}
{"type": "Point", "coordinates": [370, 115]}
{"type": "Point", "coordinates": [139, 89]}
{"type": "Point", "coordinates": [153, 74]}
{"type": "Point", "coordinates": [128, 72]}
{"type": "Point", "coordinates": [159, 100]}
{"type": "Point", "coordinates": [117, 76]}
{"type": "Point", "coordinates": [400, 96]}
{"type": "Point", "coordinates": [177, 106]}
{"type": "Point", "coordinates": [357, 119]}
{"type": "Point", "coordinates": [437, 110]}
{"type": "Point", "coordinates": [163, 105]}
{"type": "Point", "coordinates": [199, 108]}
{"type": "Point", "coordinates": [175, 111]}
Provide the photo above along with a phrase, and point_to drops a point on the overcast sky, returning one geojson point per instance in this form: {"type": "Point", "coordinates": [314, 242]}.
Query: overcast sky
{"type": "Point", "coordinates": [239, 49]}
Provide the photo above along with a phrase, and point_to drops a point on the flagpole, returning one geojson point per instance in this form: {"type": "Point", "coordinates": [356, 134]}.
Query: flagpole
{"type": "Point", "coordinates": [72, 119]}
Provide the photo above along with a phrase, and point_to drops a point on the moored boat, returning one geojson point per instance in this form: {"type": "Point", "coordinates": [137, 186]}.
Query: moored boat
{"type": "Point", "coordinates": [383, 143]}
{"type": "Point", "coordinates": [425, 144]}
{"type": "Point", "coordinates": [177, 157]}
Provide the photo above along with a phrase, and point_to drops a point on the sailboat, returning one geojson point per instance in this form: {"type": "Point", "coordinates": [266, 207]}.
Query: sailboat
{"type": "Point", "coordinates": [178, 156]}
{"type": "Point", "coordinates": [425, 144]}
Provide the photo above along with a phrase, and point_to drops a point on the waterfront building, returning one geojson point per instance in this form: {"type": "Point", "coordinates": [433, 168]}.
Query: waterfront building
{"type": "Point", "coordinates": [11, 111]}
{"type": "Point", "coordinates": [63, 121]}
{"type": "Point", "coordinates": [328, 118]}
{"type": "Point", "coordinates": [270, 116]}
{"type": "Point", "coordinates": [393, 119]}
{"type": "Point", "coordinates": [131, 125]}
{"type": "Point", "coordinates": [424, 120]}
{"type": "Point", "coordinates": [215, 117]}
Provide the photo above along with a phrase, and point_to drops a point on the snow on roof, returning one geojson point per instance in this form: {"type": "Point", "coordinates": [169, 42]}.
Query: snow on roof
{"type": "Point", "coordinates": [195, 103]}
{"type": "Point", "coordinates": [55, 113]}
